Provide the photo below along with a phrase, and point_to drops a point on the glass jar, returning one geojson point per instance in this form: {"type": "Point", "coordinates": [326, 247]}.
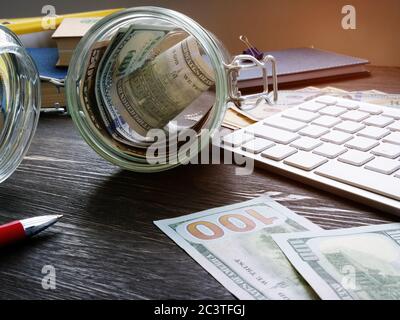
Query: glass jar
{"type": "Point", "coordinates": [134, 72]}
{"type": "Point", "coordinates": [19, 104]}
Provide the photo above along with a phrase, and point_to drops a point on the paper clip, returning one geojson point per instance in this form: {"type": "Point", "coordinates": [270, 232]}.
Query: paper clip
{"type": "Point", "coordinates": [251, 50]}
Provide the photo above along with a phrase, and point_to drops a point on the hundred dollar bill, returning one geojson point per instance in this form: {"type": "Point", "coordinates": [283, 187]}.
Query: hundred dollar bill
{"type": "Point", "coordinates": [109, 66]}
{"type": "Point", "coordinates": [286, 99]}
{"type": "Point", "coordinates": [236, 119]}
{"type": "Point", "coordinates": [113, 124]}
{"type": "Point", "coordinates": [350, 264]}
{"type": "Point", "coordinates": [157, 92]}
{"type": "Point", "coordinates": [290, 98]}
{"type": "Point", "coordinates": [234, 245]}
{"type": "Point", "coordinates": [88, 99]}
{"type": "Point", "coordinates": [117, 129]}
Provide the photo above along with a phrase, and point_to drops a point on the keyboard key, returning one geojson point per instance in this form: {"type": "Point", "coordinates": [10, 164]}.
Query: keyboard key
{"type": "Point", "coordinates": [383, 165]}
{"type": "Point", "coordinates": [394, 126]}
{"type": "Point", "coordinates": [276, 135]}
{"type": "Point", "coordinates": [326, 121]}
{"type": "Point", "coordinates": [278, 152]}
{"type": "Point", "coordinates": [326, 100]}
{"type": "Point", "coordinates": [392, 113]}
{"type": "Point", "coordinates": [257, 145]}
{"type": "Point", "coordinates": [333, 111]}
{"type": "Point", "coordinates": [355, 115]}
{"type": "Point", "coordinates": [330, 150]}
{"type": "Point", "coordinates": [313, 131]}
{"type": "Point", "coordinates": [373, 133]}
{"type": "Point", "coordinates": [312, 106]}
{"type": "Point", "coordinates": [362, 144]}
{"type": "Point", "coordinates": [336, 137]}
{"type": "Point", "coordinates": [237, 138]}
{"type": "Point", "coordinates": [349, 126]}
{"type": "Point", "coordinates": [370, 108]}
{"type": "Point", "coordinates": [300, 115]}
{"type": "Point", "coordinates": [393, 138]}
{"type": "Point", "coordinates": [305, 161]}
{"type": "Point", "coordinates": [361, 178]}
{"type": "Point", "coordinates": [387, 150]}
{"type": "Point", "coordinates": [348, 104]}
{"type": "Point", "coordinates": [285, 124]}
{"type": "Point", "coordinates": [397, 175]}
{"type": "Point", "coordinates": [356, 158]}
{"type": "Point", "coordinates": [378, 121]}
{"type": "Point", "coordinates": [306, 144]}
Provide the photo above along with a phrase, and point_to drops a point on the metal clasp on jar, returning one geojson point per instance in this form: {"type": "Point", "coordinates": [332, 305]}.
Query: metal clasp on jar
{"type": "Point", "coordinates": [237, 65]}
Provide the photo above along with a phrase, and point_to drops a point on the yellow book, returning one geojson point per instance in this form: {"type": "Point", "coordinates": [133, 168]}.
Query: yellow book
{"type": "Point", "coordinates": [30, 25]}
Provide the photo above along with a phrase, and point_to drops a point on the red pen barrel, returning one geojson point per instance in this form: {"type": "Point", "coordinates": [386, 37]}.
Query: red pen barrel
{"type": "Point", "coordinates": [11, 232]}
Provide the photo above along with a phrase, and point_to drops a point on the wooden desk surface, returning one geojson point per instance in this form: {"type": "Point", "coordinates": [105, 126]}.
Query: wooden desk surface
{"type": "Point", "coordinates": [106, 246]}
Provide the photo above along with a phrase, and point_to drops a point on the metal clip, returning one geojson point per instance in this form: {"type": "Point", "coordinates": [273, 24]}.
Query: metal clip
{"type": "Point", "coordinates": [59, 83]}
{"type": "Point", "coordinates": [251, 50]}
{"type": "Point", "coordinates": [237, 65]}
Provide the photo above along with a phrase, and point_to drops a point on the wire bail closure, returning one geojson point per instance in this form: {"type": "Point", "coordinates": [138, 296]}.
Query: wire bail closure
{"type": "Point", "coordinates": [237, 65]}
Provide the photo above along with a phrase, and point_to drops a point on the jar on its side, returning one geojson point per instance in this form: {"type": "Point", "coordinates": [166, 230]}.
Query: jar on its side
{"type": "Point", "coordinates": [19, 102]}
{"type": "Point", "coordinates": [104, 30]}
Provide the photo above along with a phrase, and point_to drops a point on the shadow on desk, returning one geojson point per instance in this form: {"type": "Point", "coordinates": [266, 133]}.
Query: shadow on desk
{"type": "Point", "coordinates": [131, 196]}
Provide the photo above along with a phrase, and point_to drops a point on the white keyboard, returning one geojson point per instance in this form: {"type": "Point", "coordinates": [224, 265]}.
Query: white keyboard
{"type": "Point", "coordinates": [347, 147]}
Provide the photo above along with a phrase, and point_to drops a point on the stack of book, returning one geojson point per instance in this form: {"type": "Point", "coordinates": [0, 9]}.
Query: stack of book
{"type": "Point", "coordinates": [68, 35]}
{"type": "Point", "coordinates": [52, 61]}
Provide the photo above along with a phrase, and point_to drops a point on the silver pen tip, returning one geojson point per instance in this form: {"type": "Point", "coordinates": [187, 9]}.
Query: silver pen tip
{"type": "Point", "coordinates": [35, 225]}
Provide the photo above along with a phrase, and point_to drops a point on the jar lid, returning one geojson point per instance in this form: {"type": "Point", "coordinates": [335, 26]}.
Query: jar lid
{"type": "Point", "coordinates": [19, 102]}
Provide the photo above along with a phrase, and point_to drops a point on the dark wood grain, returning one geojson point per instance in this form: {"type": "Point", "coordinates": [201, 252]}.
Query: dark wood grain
{"type": "Point", "coordinates": [107, 246]}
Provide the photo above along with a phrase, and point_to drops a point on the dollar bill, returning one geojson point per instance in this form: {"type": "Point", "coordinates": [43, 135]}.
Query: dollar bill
{"type": "Point", "coordinates": [286, 99]}
{"type": "Point", "coordinates": [236, 119]}
{"type": "Point", "coordinates": [349, 264]}
{"type": "Point", "coordinates": [90, 105]}
{"type": "Point", "coordinates": [158, 91]}
{"type": "Point", "coordinates": [110, 64]}
{"type": "Point", "coordinates": [234, 245]}
{"type": "Point", "coordinates": [290, 98]}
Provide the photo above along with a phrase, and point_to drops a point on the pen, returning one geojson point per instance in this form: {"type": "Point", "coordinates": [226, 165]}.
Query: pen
{"type": "Point", "coordinates": [22, 229]}
{"type": "Point", "coordinates": [34, 24]}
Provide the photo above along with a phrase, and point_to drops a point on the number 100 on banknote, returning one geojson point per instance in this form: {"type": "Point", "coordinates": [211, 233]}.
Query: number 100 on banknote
{"type": "Point", "coordinates": [234, 245]}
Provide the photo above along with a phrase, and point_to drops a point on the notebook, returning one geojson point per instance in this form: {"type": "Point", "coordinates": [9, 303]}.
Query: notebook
{"type": "Point", "coordinates": [299, 64]}
{"type": "Point", "coordinates": [45, 60]}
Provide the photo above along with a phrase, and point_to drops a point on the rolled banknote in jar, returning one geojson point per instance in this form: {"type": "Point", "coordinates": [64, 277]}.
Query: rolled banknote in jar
{"type": "Point", "coordinates": [152, 95]}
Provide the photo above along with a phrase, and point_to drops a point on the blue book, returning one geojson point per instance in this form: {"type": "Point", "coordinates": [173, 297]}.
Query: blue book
{"type": "Point", "coordinates": [46, 59]}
